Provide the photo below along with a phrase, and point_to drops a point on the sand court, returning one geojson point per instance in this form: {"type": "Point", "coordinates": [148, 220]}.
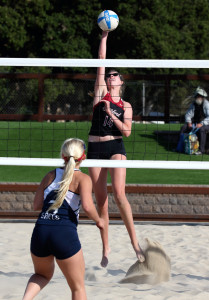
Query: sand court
{"type": "Point", "coordinates": [187, 247]}
{"type": "Point", "coordinates": [155, 269]}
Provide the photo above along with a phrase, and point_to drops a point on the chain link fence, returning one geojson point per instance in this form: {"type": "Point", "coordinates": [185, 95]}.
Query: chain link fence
{"type": "Point", "coordinates": [57, 96]}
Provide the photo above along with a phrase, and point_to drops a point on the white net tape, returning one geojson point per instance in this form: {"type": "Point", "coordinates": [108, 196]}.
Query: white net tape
{"type": "Point", "coordinates": [109, 63]}
{"type": "Point", "coordinates": [138, 164]}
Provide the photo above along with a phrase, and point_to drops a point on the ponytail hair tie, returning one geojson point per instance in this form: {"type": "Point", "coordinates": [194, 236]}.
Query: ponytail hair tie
{"type": "Point", "coordinates": [66, 158]}
{"type": "Point", "coordinates": [83, 156]}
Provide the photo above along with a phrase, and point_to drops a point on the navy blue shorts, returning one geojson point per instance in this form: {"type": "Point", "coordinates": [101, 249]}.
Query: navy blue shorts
{"type": "Point", "coordinates": [60, 241]}
{"type": "Point", "coordinates": [104, 150]}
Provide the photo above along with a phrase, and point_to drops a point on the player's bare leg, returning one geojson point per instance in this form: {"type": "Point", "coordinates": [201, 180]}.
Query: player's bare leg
{"type": "Point", "coordinates": [99, 180]}
{"type": "Point", "coordinates": [73, 269]}
{"type": "Point", "coordinates": [118, 176]}
{"type": "Point", "coordinates": [44, 269]}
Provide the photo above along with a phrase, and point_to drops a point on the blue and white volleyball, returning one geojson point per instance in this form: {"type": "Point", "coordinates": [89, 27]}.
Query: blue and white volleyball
{"type": "Point", "coordinates": [108, 20]}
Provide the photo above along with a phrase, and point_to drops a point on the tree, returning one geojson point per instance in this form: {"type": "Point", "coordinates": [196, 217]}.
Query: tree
{"type": "Point", "coordinates": [68, 29]}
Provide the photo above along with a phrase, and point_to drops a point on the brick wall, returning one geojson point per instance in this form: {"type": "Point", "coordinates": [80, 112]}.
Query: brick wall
{"type": "Point", "coordinates": [151, 199]}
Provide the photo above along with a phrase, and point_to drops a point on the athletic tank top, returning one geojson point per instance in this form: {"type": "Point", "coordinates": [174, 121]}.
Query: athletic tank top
{"type": "Point", "coordinates": [68, 211]}
{"type": "Point", "coordinates": [102, 123]}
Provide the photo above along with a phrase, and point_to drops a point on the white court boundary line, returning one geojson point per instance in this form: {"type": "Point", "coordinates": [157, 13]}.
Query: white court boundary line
{"type": "Point", "coordinates": [141, 164]}
{"type": "Point", "coordinates": [119, 63]}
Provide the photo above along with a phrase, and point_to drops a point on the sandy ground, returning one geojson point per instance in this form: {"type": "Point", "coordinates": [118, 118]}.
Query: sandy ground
{"type": "Point", "coordinates": [187, 245]}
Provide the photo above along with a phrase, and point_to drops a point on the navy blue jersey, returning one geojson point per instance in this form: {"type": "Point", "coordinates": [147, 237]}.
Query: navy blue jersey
{"type": "Point", "coordinates": [68, 211]}
{"type": "Point", "coordinates": [102, 123]}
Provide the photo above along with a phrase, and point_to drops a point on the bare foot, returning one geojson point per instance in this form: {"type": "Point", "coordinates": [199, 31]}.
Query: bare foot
{"type": "Point", "coordinates": [104, 261]}
{"type": "Point", "coordinates": [140, 256]}
{"type": "Point", "coordinates": [139, 253]}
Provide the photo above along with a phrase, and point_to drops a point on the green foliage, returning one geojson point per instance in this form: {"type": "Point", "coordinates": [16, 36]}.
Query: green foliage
{"type": "Point", "coordinates": [18, 97]}
{"type": "Point", "coordinates": [42, 28]}
{"type": "Point", "coordinates": [68, 29]}
{"type": "Point", "coordinates": [148, 29]}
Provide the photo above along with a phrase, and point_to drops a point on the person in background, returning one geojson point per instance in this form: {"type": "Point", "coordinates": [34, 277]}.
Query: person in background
{"type": "Point", "coordinates": [197, 116]}
{"type": "Point", "coordinates": [55, 234]}
{"type": "Point", "coordinates": [112, 119]}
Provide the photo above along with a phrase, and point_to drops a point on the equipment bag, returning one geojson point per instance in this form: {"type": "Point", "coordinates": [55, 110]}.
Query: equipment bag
{"type": "Point", "coordinates": [191, 143]}
{"type": "Point", "coordinates": [180, 146]}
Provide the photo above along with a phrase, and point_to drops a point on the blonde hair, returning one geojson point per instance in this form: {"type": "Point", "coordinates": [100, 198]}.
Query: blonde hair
{"type": "Point", "coordinates": [72, 151]}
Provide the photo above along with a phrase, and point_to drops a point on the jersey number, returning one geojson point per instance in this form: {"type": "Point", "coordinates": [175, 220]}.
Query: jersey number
{"type": "Point", "coordinates": [108, 122]}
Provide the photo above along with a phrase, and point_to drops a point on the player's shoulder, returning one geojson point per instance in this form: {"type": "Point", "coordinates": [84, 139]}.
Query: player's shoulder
{"type": "Point", "coordinates": [84, 182]}
{"type": "Point", "coordinates": [51, 174]}
{"type": "Point", "coordinates": [84, 176]}
{"type": "Point", "coordinates": [126, 104]}
{"type": "Point", "coordinates": [48, 178]}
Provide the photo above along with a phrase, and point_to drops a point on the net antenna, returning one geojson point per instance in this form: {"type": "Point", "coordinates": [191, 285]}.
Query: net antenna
{"type": "Point", "coordinates": [109, 63]}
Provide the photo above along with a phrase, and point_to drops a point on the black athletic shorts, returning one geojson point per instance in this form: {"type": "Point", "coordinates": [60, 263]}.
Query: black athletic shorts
{"type": "Point", "coordinates": [60, 241]}
{"type": "Point", "coordinates": [104, 150]}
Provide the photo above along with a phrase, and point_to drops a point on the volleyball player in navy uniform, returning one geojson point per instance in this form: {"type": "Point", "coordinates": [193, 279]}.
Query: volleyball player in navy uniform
{"type": "Point", "coordinates": [55, 234]}
{"type": "Point", "coordinates": [112, 119]}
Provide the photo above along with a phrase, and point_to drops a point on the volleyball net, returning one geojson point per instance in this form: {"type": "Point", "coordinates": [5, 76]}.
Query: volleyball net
{"type": "Point", "coordinates": [159, 103]}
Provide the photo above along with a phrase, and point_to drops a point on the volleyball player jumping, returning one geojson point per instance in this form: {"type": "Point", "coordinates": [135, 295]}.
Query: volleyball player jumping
{"type": "Point", "coordinates": [112, 118]}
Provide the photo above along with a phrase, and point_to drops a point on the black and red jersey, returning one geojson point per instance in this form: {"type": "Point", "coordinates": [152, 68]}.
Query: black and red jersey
{"type": "Point", "coordinates": [102, 123]}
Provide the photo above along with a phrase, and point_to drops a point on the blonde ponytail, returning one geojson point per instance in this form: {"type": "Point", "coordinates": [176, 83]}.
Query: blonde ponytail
{"type": "Point", "coordinates": [72, 152]}
{"type": "Point", "coordinates": [64, 184]}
